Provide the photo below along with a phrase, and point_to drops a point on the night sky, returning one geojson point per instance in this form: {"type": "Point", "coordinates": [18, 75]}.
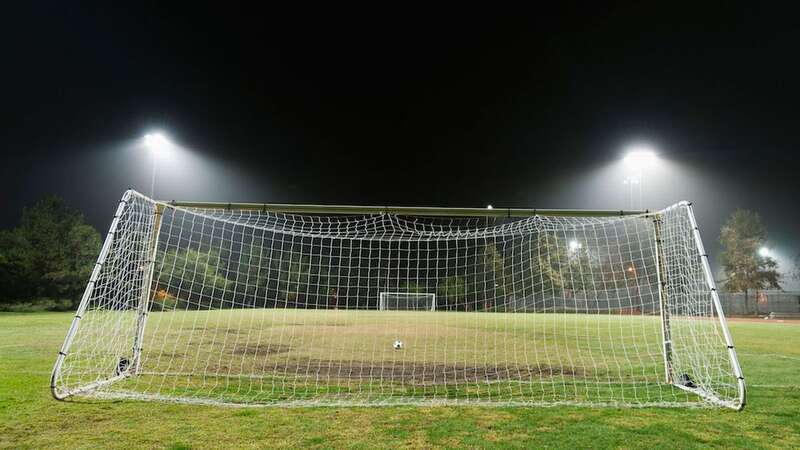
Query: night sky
{"type": "Point", "coordinates": [529, 108]}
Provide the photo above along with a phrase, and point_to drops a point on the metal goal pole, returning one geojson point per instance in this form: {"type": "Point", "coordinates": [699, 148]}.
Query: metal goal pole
{"type": "Point", "coordinates": [663, 299]}
{"type": "Point", "coordinates": [734, 360]}
{"type": "Point", "coordinates": [147, 290]}
{"type": "Point", "coordinates": [101, 259]}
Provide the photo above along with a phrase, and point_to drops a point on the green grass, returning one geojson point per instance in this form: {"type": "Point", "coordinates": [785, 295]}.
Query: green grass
{"type": "Point", "coordinates": [270, 356]}
{"type": "Point", "coordinates": [30, 418]}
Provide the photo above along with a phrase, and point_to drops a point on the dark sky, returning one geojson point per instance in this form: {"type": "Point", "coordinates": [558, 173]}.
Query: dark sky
{"type": "Point", "coordinates": [528, 108]}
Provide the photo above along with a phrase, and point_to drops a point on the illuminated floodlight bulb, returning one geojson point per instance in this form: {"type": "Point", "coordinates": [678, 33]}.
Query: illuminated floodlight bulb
{"type": "Point", "coordinates": [640, 157]}
{"type": "Point", "coordinates": [156, 141]}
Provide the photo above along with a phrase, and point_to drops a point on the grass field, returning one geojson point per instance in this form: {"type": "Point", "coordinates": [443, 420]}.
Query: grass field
{"type": "Point", "coordinates": [341, 357]}
{"type": "Point", "coordinates": [30, 418]}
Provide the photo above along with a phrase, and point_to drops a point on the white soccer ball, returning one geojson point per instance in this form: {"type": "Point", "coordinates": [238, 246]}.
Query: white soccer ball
{"type": "Point", "coordinates": [398, 345]}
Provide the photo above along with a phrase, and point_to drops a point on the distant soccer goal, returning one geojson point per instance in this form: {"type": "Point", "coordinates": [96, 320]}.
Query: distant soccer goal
{"type": "Point", "coordinates": [407, 301]}
{"type": "Point", "coordinates": [265, 304]}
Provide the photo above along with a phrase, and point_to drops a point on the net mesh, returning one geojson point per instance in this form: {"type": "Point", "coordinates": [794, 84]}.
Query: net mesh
{"type": "Point", "coordinates": [259, 308]}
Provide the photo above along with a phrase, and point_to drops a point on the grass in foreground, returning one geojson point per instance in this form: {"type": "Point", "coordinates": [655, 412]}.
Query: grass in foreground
{"type": "Point", "coordinates": [30, 418]}
{"type": "Point", "coordinates": [337, 358]}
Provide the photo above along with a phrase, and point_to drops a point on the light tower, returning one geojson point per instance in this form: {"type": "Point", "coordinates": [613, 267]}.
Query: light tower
{"type": "Point", "coordinates": [637, 160]}
{"type": "Point", "coordinates": [156, 142]}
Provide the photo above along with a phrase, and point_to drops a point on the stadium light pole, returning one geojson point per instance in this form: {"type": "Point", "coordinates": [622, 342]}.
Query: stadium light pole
{"type": "Point", "coordinates": [638, 158]}
{"type": "Point", "coordinates": [156, 142]}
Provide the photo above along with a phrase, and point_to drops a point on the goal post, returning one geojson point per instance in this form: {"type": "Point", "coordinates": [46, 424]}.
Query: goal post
{"type": "Point", "coordinates": [717, 306]}
{"type": "Point", "coordinates": [57, 389]}
{"type": "Point", "coordinates": [663, 297]}
{"type": "Point", "coordinates": [143, 308]}
{"type": "Point", "coordinates": [407, 301]}
{"type": "Point", "coordinates": [273, 304]}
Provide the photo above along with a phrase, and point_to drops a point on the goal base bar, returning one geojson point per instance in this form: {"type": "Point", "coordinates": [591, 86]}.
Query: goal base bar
{"type": "Point", "coordinates": [86, 389]}
{"type": "Point", "coordinates": [401, 401]}
{"type": "Point", "coordinates": [738, 406]}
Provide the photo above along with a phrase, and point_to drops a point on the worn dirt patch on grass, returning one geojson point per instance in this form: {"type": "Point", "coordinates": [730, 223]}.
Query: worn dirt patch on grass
{"type": "Point", "coordinates": [417, 373]}
{"type": "Point", "coordinates": [263, 349]}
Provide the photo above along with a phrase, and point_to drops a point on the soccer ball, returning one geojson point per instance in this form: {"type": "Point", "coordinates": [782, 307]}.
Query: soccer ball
{"type": "Point", "coordinates": [398, 345]}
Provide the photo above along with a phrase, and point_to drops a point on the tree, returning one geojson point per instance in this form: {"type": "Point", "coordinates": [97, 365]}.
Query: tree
{"type": "Point", "coordinates": [549, 262]}
{"type": "Point", "coordinates": [16, 267]}
{"type": "Point", "coordinates": [496, 279]}
{"type": "Point", "coordinates": [562, 268]}
{"type": "Point", "coordinates": [453, 290]}
{"type": "Point", "coordinates": [196, 271]}
{"type": "Point", "coordinates": [293, 278]}
{"type": "Point", "coordinates": [741, 237]}
{"type": "Point", "coordinates": [50, 255]}
{"type": "Point", "coordinates": [413, 287]}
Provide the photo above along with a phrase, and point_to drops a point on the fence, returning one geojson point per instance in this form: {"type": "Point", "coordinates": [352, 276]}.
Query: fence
{"type": "Point", "coordinates": [644, 300]}
{"type": "Point", "coordinates": [761, 302]}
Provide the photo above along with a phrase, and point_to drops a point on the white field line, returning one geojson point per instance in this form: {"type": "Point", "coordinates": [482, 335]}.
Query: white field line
{"type": "Point", "coordinates": [773, 355]}
{"type": "Point", "coordinates": [775, 386]}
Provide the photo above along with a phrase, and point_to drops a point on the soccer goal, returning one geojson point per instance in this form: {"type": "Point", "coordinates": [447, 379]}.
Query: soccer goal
{"type": "Point", "coordinates": [407, 301]}
{"type": "Point", "coordinates": [265, 304]}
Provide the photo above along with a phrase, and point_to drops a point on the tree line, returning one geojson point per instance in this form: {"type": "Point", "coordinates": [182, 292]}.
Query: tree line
{"type": "Point", "coordinates": [746, 268]}
{"type": "Point", "coordinates": [479, 275]}
{"type": "Point", "coordinates": [46, 260]}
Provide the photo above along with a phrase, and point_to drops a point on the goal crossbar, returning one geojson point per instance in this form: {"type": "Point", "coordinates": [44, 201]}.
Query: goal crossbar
{"type": "Point", "coordinates": [290, 208]}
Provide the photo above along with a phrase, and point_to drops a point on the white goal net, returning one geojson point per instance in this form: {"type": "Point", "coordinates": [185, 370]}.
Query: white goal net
{"type": "Point", "coordinates": [298, 305]}
{"type": "Point", "coordinates": [407, 301]}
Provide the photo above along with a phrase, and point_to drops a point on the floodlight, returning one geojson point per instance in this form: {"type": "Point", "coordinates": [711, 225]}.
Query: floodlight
{"type": "Point", "coordinates": [640, 157]}
{"type": "Point", "coordinates": [156, 141]}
